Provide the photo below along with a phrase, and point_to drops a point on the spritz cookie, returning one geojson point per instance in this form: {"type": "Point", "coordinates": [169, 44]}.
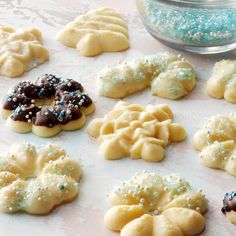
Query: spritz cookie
{"type": "Point", "coordinates": [216, 143]}
{"type": "Point", "coordinates": [130, 130]}
{"type": "Point", "coordinates": [20, 50]}
{"type": "Point", "coordinates": [36, 180]}
{"type": "Point", "coordinates": [47, 106]}
{"type": "Point", "coordinates": [169, 77]}
{"type": "Point", "coordinates": [97, 31]}
{"type": "Point", "coordinates": [149, 204]}
{"type": "Point", "coordinates": [229, 206]}
{"type": "Point", "coordinates": [222, 83]}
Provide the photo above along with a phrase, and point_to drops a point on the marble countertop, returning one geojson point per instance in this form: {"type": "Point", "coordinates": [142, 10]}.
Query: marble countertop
{"type": "Point", "coordinates": [84, 216]}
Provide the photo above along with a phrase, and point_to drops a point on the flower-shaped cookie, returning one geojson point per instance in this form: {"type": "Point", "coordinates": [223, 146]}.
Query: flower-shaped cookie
{"type": "Point", "coordinates": [169, 77]}
{"type": "Point", "coordinates": [97, 31]}
{"type": "Point", "coordinates": [130, 130]}
{"type": "Point", "coordinates": [47, 106]}
{"type": "Point", "coordinates": [149, 204]}
{"type": "Point", "coordinates": [222, 83]}
{"type": "Point", "coordinates": [35, 180]}
{"type": "Point", "coordinates": [20, 50]}
{"type": "Point", "coordinates": [216, 141]}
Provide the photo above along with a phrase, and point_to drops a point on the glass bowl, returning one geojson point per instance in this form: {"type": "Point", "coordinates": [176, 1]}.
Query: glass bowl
{"type": "Point", "coordinates": [200, 26]}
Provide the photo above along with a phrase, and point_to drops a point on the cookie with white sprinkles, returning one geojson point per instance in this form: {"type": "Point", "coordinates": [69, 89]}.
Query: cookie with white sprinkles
{"type": "Point", "coordinates": [149, 204]}
{"type": "Point", "coordinates": [216, 142]}
{"type": "Point", "coordinates": [47, 106]}
{"type": "Point", "coordinates": [37, 179]}
{"type": "Point", "coordinates": [229, 206]}
{"type": "Point", "coordinates": [169, 76]}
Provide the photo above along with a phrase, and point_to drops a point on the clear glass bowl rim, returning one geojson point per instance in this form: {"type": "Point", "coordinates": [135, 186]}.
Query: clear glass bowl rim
{"type": "Point", "coordinates": [201, 3]}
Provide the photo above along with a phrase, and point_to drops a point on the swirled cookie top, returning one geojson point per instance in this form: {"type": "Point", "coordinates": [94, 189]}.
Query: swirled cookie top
{"type": "Point", "coordinates": [216, 142]}
{"type": "Point", "coordinates": [130, 130]}
{"type": "Point", "coordinates": [97, 31]}
{"type": "Point", "coordinates": [169, 77]}
{"type": "Point", "coordinates": [222, 83]}
{"type": "Point", "coordinates": [20, 50]}
{"type": "Point", "coordinates": [35, 180]}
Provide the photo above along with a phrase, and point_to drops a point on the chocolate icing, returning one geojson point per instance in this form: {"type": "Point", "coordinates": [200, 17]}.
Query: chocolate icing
{"type": "Point", "coordinates": [229, 202]}
{"type": "Point", "coordinates": [68, 95]}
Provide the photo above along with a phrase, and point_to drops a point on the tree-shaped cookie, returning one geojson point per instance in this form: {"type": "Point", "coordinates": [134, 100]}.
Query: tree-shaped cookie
{"type": "Point", "coordinates": [20, 50]}
{"type": "Point", "coordinates": [216, 141]}
{"type": "Point", "coordinates": [130, 130]}
{"type": "Point", "coordinates": [222, 83]}
{"type": "Point", "coordinates": [168, 76]}
{"type": "Point", "coordinates": [35, 180]}
{"type": "Point", "coordinates": [97, 31]}
{"type": "Point", "coordinates": [149, 204]}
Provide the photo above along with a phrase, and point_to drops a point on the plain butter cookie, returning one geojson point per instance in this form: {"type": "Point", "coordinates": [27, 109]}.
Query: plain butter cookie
{"type": "Point", "coordinates": [97, 31]}
{"type": "Point", "coordinates": [20, 50]}
{"type": "Point", "coordinates": [35, 180]}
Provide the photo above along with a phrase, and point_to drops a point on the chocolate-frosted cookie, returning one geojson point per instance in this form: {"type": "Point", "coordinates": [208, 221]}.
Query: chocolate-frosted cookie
{"type": "Point", "coordinates": [47, 106]}
{"type": "Point", "coordinates": [229, 206]}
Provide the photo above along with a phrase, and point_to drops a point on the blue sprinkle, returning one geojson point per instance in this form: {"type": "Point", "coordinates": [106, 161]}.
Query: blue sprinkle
{"type": "Point", "coordinates": [191, 25]}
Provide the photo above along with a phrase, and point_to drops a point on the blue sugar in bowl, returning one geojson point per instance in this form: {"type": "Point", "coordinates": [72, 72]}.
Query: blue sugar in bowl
{"type": "Point", "coordinates": [200, 26]}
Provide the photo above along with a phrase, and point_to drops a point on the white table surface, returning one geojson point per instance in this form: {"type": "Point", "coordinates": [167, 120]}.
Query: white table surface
{"type": "Point", "coordinates": [84, 216]}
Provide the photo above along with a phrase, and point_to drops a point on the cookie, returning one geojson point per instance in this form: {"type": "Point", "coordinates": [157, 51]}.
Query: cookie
{"type": "Point", "coordinates": [137, 132]}
{"type": "Point", "coordinates": [229, 206]}
{"type": "Point", "coordinates": [168, 76]}
{"type": "Point", "coordinates": [216, 143]}
{"type": "Point", "coordinates": [36, 180]}
{"type": "Point", "coordinates": [21, 50]}
{"type": "Point", "coordinates": [222, 83]}
{"type": "Point", "coordinates": [149, 204]}
{"type": "Point", "coordinates": [97, 31]}
{"type": "Point", "coordinates": [47, 106]}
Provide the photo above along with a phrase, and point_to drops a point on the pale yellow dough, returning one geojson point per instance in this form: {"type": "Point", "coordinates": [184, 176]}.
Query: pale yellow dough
{"type": "Point", "coordinates": [217, 143]}
{"type": "Point", "coordinates": [222, 83]}
{"type": "Point", "coordinates": [20, 50]}
{"type": "Point", "coordinates": [35, 180]}
{"type": "Point", "coordinates": [130, 130]}
{"type": "Point", "coordinates": [151, 205]}
{"type": "Point", "coordinates": [97, 31]}
{"type": "Point", "coordinates": [169, 77]}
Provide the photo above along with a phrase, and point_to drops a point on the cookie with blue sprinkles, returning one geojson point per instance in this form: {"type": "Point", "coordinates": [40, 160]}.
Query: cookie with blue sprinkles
{"type": "Point", "coordinates": [47, 106]}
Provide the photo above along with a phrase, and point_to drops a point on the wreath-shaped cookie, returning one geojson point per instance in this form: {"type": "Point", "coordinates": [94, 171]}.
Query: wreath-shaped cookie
{"type": "Point", "coordinates": [149, 204]}
{"type": "Point", "coordinates": [216, 142]}
{"type": "Point", "coordinates": [35, 180]}
{"type": "Point", "coordinates": [47, 106]}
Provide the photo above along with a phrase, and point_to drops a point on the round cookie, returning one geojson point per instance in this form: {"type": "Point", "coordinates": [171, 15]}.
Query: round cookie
{"type": "Point", "coordinates": [229, 206]}
{"type": "Point", "coordinates": [36, 180]}
{"type": "Point", "coordinates": [47, 106]}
